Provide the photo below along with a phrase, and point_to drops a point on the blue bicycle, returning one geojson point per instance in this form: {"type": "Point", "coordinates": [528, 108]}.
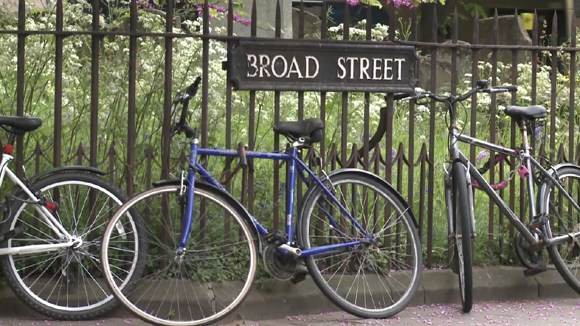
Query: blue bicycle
{"type": "Point", "coordinates": [200, 246]}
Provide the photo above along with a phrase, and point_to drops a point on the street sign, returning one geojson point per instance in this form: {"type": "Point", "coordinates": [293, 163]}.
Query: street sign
{"type": "Point", "coordinates": [289, 65]}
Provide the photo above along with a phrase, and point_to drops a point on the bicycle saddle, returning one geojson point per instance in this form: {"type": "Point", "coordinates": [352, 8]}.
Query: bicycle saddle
{"type": "Point", "coordinates": [529, 112]}
{"type": "Point", "coordinates": [309, 129]}
{"type": "Point", "coordinates": [20, 124]}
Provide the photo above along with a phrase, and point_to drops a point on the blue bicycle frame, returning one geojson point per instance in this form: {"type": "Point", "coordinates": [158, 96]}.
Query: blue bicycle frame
{"type": "Point", "coordinates": [294, 162]}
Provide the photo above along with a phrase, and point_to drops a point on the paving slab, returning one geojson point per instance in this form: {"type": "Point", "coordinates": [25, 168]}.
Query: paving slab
{"type": "Point", "coordinates": [271, 299]}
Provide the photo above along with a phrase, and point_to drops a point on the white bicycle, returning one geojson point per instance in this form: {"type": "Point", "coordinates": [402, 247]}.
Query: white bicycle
{"type": "Point", "coordinates": [51, 232]}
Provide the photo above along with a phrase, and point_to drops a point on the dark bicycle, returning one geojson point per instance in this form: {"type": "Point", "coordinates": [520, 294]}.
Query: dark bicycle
{"type": "Point", "coordinates": [554, 211]}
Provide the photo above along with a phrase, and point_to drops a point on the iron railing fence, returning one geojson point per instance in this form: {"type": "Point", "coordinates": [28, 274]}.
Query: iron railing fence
{"type": "Point", "coordinates": [121, 122]}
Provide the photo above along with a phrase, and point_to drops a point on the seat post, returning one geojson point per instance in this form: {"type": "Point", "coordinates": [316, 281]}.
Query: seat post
{"type": "Point", "coordinates": [9, 146]}
{"type": "Point", "coordinates": [528, 164]}
{"type": "Point", "coordinates": [524, 127]}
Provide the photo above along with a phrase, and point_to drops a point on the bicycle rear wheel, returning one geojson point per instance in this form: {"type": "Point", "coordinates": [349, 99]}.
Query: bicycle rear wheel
{"type": "Point", "coordinates": [378, 278]}
{"type": "Point", "coordinates": [564, 219]}
{"type": "Point", "coordinates": [65, 284]}
{"type": "Point", "coordinates": [201, 286]}
{"type": "Point", "coordinates": [463, 241]}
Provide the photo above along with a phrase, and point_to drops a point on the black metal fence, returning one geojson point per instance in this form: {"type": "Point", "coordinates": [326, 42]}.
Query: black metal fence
{"type": "Point", "coordinates": [103, 79]}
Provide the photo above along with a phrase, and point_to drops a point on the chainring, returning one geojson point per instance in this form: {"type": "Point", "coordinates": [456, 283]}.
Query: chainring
{"type": "Point", "coordinates": [278, 265]}
{"type": "Point", "coordinates": [529, 258]}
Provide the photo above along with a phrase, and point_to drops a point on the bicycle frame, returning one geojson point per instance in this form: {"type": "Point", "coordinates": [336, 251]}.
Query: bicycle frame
{"type": "Point", "coordinates": [295, 164]}
{"type": "Point", "coordinates": [48, 218]}
{"type": "Point", "coordinates": [528, 161]}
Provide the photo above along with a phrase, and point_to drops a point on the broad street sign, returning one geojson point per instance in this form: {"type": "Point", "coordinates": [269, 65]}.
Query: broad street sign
{"type": "Point", "coordinates": [287, 65]}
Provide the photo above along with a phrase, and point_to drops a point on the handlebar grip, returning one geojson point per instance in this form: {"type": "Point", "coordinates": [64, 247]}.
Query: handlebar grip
{"type": "Point", "coordinates": [501, 89]}
{"type": "Point", "coordinates": [192, 89]}
{"type": "Point", "coordinates": [510, 88]}
{"type": "Point", "coordinates": [400, 96]}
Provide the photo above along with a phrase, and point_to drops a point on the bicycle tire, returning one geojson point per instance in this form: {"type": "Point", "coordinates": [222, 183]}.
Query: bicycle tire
{"type": "Point", "coordinates": [208, 281]}
{"type": "Point", "coordinates": [563, 219]}
{"type": "Point", "coordinates": [376, 280]}
{"type": "Point", "coordinates": [463, 245]}
{"type": "Point", "coordinates": [65, 284]}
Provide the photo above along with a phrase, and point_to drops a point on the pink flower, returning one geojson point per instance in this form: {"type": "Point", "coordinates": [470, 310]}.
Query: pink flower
{"type": "Point", "coordinates": [237, 18]}
{"type": "Point", "coordinates": [402, 3]}
{"type": "Point", "coordinates": [352, 2]}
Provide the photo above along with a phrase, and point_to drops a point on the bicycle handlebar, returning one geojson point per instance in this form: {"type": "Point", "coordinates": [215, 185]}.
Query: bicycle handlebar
{"type": "Point", "coordinates": [184, 98]}
{"type": "Point", "coordinates": [482, 87]}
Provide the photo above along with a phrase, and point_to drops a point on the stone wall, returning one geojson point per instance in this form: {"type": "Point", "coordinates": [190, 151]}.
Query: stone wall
{"type": "Point", "coordinates": [511, 31]}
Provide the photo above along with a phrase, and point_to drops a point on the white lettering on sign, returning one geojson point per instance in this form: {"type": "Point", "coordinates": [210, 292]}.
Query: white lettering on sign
{"type": "Point", "coordinates": [261, 66]}
{"type": "Point", "coordinates": [370, 69]}
{"type": "Point", "coordinates": [308, 67]}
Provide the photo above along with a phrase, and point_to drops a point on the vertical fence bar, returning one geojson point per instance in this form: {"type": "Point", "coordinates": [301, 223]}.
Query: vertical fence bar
{"type": "Point", "coordinates": [423, 162]}
{"type": "Point", "coordinates": [276, 163]}
{"type": "Point", "coordinates": [300, 94]}
{"type": "Point", "coordinates": [252, 120]}
{"type": "Point", "coordinates": [323, 36]}
{"type": "Point", "coordinates": [228, 124]}
{"type": "Point", "coordinates": [492, 129]}
{"type": "Point", "coordinates": [204, 91]}
{"type": "Point", "coordinates": [475, 52]}
{"type": "Point", "coordinates": [58, 48]}
{"type": "Point", "coordinates": [344, 102]}
{"type": "Point", "coordinates": [411, 155]}
{"type": "Point", "coordinates": [166, 141]}
{"type": "Point", "coordinates": [389, 114]}
{"type": "Point", "coordinates": [454, 69]}
{"type": "Point", "coordinates": [572, 101]}
{"type": "Point", "coordinates": [474, 78]}
{"type": "Point", "coordinates": [366, 114]}
{"type": "Point", "coordinates": [553, 84]}
{"type": "Point", "coordinates": [95, 60]}
{"type": "Point", "coordinates": [513, 126]}
{"type": "Point", "coordinates": [112, 157]}
{"type": "Point", "coordinates": [131, 104]}
{"type": "Point", "coordinates": [431, 152]}
{"type": "Point", "coordinates": [535, 57]}
{"type": "Point", "coordinates": [167, 101]}
{"type": "Point", "coordinates": [20, 78]}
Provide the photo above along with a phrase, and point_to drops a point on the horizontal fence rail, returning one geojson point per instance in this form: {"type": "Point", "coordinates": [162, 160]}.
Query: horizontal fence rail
{"type": "Point", "coordinates": [103, 79]}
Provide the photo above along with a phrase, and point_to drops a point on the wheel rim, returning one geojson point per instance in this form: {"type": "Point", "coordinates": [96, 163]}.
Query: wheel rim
{"type": "Point", "coordinates": [365, 260]}
{"type": "Point", "coordinates": [48, 292]}
{"type": "Point", "coordinates": [181, 284]}
{"type": "Point", "coordinates": [567, 253]}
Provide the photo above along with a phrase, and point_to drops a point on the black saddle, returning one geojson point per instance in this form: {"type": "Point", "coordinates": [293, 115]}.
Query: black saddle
{"type": "Point", "coordinates": [20, 125]}
{"type": "Point", "coordinates": [526, 112]}
{"type": "Point", "coordinates": [310, 130]}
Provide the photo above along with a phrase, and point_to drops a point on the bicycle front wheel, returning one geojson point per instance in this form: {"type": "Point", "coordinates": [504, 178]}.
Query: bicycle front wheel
{"type": "Point", "coordinates": [564, 219]}
{"type": "Point", "coordinates": [64, 284]}
{"type": "Point", "coordinates": [378, 277]}
{"type": "Point", "coordinates": [202, 285]}
{"type": "Point", "coordinates": [462, 235]}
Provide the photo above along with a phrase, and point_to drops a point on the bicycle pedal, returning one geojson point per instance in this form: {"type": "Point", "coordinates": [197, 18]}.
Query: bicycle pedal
{"type": "Point", "coordinates": [300, 274]}
{"type": "Point", "coordinates": [535, 271]}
